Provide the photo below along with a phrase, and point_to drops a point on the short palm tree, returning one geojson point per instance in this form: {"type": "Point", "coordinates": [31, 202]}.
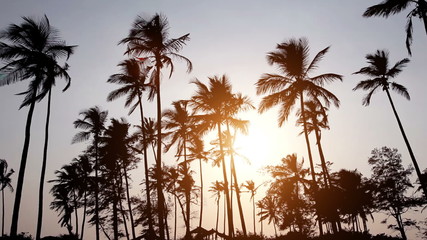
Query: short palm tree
{"type": "Point", "coordinates": [93, 125]}
{"type": "Point", "coordinates": [30, 52]}
{"type": "Point", "coordinates": [269, 210]}
{"type": "Point", "coordinates": [295, 84]}
{"type": "Point", "coordinates": [391, 7]}
{"type": "Point", "coordinates": [216, 188]}
{"type": "Point", "coordinates": [5, 181]}
{"type": "Point", "coordinates": [148, 38]}
{"type": "Point", "coordinates": [379, 74]}
{"type": "Point", "coordinates": [250, 186]}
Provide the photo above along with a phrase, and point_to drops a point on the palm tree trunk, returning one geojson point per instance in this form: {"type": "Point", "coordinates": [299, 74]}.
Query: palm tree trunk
{"type": "Point", "coordinates": [129, 203]}
{"type": "Point", "coordinates": [160, 203]}
{"type": "Point", "coordinates": [201, 193]}
{"type": "Point", "coordinates": [76, 215]}
{"type": "Point", "coordinates": [326, 175]}
{"type": "Point", "coordinates": [187, 192]}
{"type": "Point", "coordinates": [147, 182]}
{"type": "Point", "coordinates": [84, 215]}
{"type": "Point", "coordinates": [2, 212]}
{"type": "Point", "coordinates": [217, 218]}
{"type": "Point", "coordinates": [96, 190]}
{"type": "Point", "coordinates": [227, 193]}
{"type": "Point", "coordinates": [310, 157]}
{"type": "Point", "coordinates": [414, 161]}
{"type": "Point", "coordinates": [253, 212]}
{"type": "Point", "coordinates": [122, 211]}
{"type": "Point", "coordinates": [115, 217]}
{"type": "Point", "coordinates": [175, 209]}
{"type": "Point", "coordinates": [43, 171]}
{"type": "Point", "coordinates": [19, 184]}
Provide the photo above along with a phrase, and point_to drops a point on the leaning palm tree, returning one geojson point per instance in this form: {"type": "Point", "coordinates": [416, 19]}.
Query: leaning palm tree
{"type": "Point", "coordinates": [93, 124]}
{"type": "Point", "coordinates": [148, 38]}
{"type": "Point", "coordinates": [379, 73]}
{"type": "Point", "coordinates": [391, 7]}
{"type": "Point", "coordinates": [133, 79]}
{"type": "Point", "coordinates": [5, 181]}
{"type": "Point", "coordinates": [30, 52]}
{"type": "Point", "coordinates": [292, 59]}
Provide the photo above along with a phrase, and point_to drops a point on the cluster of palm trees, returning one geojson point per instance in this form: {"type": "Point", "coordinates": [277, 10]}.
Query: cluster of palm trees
{"type": "Point", "coordinates": [97, 181]}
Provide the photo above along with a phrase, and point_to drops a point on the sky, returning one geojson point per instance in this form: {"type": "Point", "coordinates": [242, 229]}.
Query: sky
{"type": "Point", "coordinates": [227, 37]}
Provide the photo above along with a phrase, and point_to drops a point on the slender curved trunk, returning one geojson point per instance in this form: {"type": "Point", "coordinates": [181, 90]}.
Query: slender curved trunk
{"type": "Point", "coordinates": [43, 171]}
{"type": "Point", "coordinates": [2, 212]}
{"type": "Point", "coordinates": [122, 211]}
{"type": "Point", "coordinates": [201, 193]}
{"type": "Point", "coordinates": [187, 193]}
{"type": "Point", "coordinates": [20, 183]}
{"type": "Point", "coordinates": [115, 217]}
{"type": "Point", "coordinates": [96, 190]}
{"type": "Point", "coordinates": [175, 213]}
{"type": "Point", "coordinates": [326, 176]}
{"type": "Point", "coordinates": [147, 182]}
{"type": "Point", "coordinates": [414, 161]}
{"type": "Point", "coordinates": [253, 212]}
{"type": "Point", "coordinates": [310, 157]}
{"type": "Point", "coordinates": [227, 193]}
{"type": "Point", "coordinates": [132, 227]}
{"type": "Point", "coordinates": [160, 203]}
{"type": "Point", "coordinates": [236, 186]}
{"type": "Point", "coordinates": [84, 215]}
{"type": "Point", "coordinates": [166, 223]}
{"type": "Point", "coordinates": [217, 218]}
{"type": "Point", "coordinates": [76, 215]}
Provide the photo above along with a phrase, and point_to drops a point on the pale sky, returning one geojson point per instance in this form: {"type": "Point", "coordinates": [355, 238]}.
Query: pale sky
{"type": "Point", "coordinates": [227, 37]}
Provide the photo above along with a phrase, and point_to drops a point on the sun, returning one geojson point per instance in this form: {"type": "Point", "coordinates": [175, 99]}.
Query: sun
{"type": "Point", "coordinates": [251, 149]}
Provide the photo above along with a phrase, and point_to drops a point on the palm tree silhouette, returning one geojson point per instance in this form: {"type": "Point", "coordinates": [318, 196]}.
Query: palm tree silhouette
{"type": "Point", "coordinates": [268, 206]}
{"type": "Point", "coordinates": [391, 7]}
{"type": "Point", "coordinates": [219, 106]}
{"type": "Point", "coordinates": [5, 181]}
{"type": "Point", "coordinates": [250, 186]}
{"type": "Point", "coordinates": [379, 73]}
{"type": "Point", "coordinates": [30, 52]}
{"type": "Point", "coordinates": [93, 124]}
{"type": "Point", "coordinates": [149, 38]}
{"type": "Point", "coordinates": [181, 129]}
{"type": "Point", "coordinates": [133, 80]}
{"type": "Point", "coordinates": [316, 118]}
{"type": "Point", "coordinates": [292, 59]}
{"type": "Point", "coordinates": [216, 188]}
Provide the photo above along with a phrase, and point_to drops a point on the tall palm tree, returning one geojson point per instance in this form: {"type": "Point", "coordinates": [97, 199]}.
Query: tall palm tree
{"type": "Point", "coordinates": [316, 119]}
{"type": "Point", "coordinates": [250, 186]}
{"type": "Point", "coordinates": [180, 127]}
{"type": "Point", "coordinates": [216, 188]}
{"type": "Point", "coordinates": [216, 104]}
{"type": "Point", "coordinates": [391, 7]}
{"type": "Point", "coordinates": [379, 74]}
{"type": "Point", "coordinates": [148, 38]}
{"type": "Point", "coordinates": [133, 79]}
{"type": "Point", "coordinates": [30, 52]}
{"type": "Point", "coordinates": [293, 60]}
{"type": "Point", "coordinates": [93, 124]}
{"type": "Point", "coordinates": [5, 181]}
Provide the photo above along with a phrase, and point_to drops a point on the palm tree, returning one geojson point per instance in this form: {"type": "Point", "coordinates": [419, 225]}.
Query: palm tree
{"type": "Point", "coordinates": [93, 124]}
{"type": "Point", "coordinates": [379, 73]}
{"type": "Point", "coordinates": [391, 7]}
{"type": "Point", "coordinates": [133, 80]}
{"type": "Point", "coordinates": [268, 206]}
{"type": "Point", "coordinates": [181, 126]}
{"type": "Point", "coordinates": [292, 59]}
{"type": "Point", "coordinates": [216, 188]}
{"type": "Point", "coordinates": [218, 106]}
{"type": "Point", "coordinates": [149, 38]}
{"type": "Point", "coordinates": [31, 52]}
{"type": "Point", "coordinates": [5, 181]}
{"type": "Point", "coordinates": [250, 186]}
{"type": "Point", "coordinates": [316, 118]}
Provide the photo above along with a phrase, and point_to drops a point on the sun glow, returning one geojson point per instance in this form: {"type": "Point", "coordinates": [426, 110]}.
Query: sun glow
{"type": "Point", "coordinates": [251, 149]}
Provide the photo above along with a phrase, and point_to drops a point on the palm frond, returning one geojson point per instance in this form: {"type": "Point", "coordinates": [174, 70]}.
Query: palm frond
{"type": "Point", "coordinates": [387, 8]}
{"type": "Point", "coordinates": [400, 89]}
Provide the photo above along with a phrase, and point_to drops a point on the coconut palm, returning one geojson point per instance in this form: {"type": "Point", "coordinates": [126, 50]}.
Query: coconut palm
{"type": "Point", "coordinates": [93, 124]}
{"type": "Point", "coordinates": [215, 105]}
{"type": "Point", "coordinates": [292, 59]}
{"type": "Point", "coordinates": [148, 38]}
{"type": "Point", "coordinates": [316, 119]}
{"type": "Point", "coordinates": [379, 74]}
{"type": "Point", "coordinates": [5, 181]}
{"type": "Point", "coordinates": [216, 188]}
{"type": "Point", "coordinates": [268, 206]}
{"type": "Point", "coordinates": [30, 52]}
{"type": "Point", "coordinates": [250, 186]}
{"type": "Point", "coordinates": [391, 7]}
{"type": "Point", "coordinates": [133, 79]}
